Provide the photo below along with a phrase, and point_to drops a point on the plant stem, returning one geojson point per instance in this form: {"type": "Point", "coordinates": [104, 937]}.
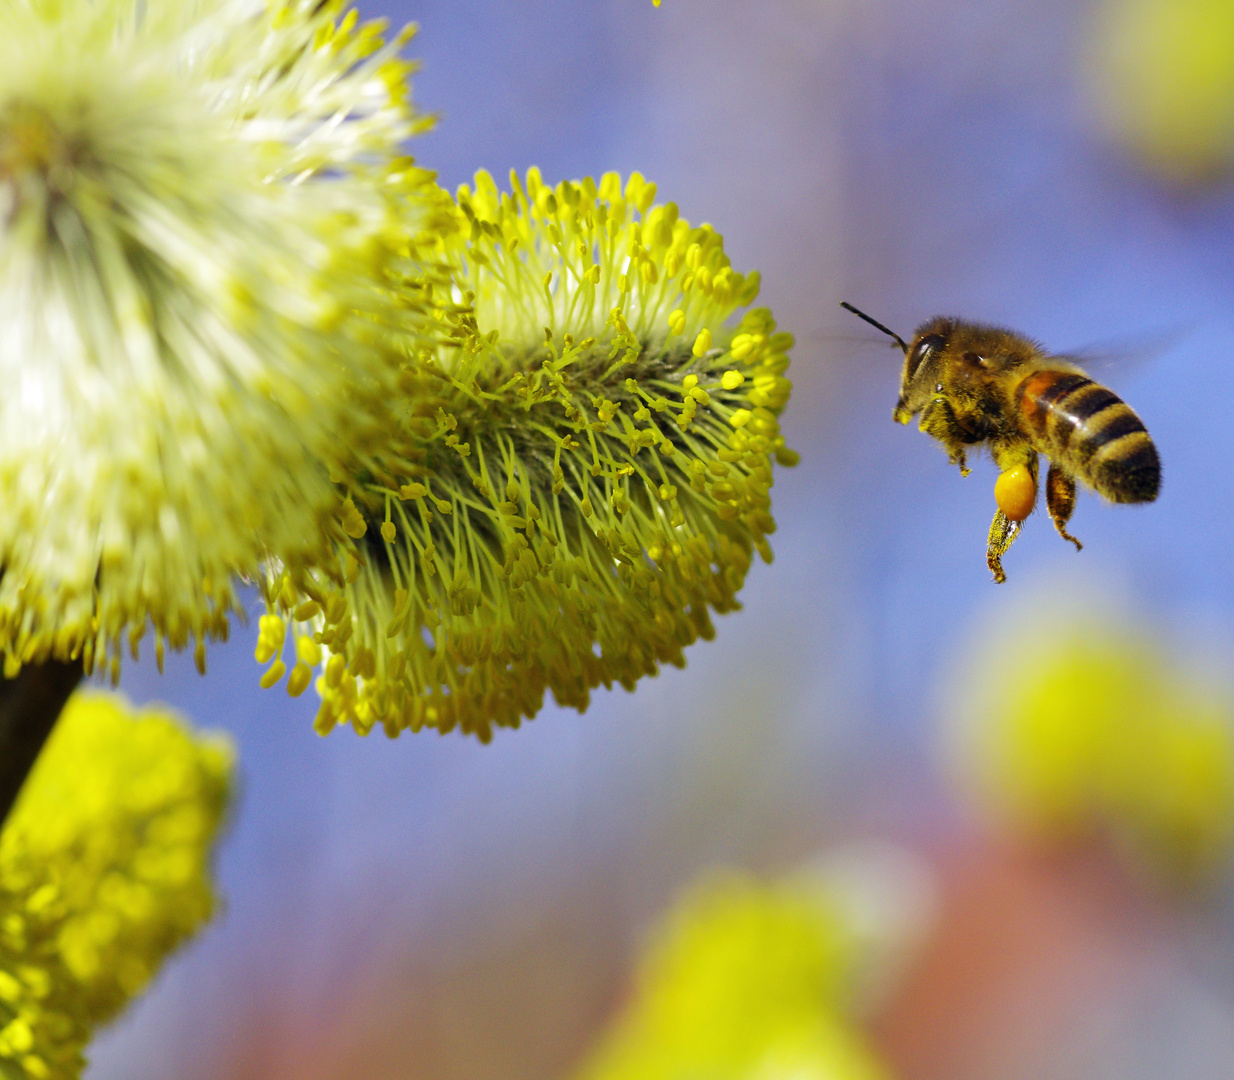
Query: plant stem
{"type": "Point", "coordinates": [29, 706]}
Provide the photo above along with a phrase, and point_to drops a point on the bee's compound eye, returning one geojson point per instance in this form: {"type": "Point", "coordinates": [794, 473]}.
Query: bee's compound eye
{"type": "Point", "coordinates": [1015, 491]}
{"type": "Point", "coordinates": [921, 350]}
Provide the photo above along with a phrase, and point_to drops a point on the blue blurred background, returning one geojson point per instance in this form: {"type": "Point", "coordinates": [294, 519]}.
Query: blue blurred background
{"type": "Point", "coordinates": [440, 909]}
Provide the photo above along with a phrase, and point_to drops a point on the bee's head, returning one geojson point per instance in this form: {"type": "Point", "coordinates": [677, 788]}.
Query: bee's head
{"type": "Point", "coordinates": [922, 361]}
{"type": "Point", "coordinates": [922, 367]}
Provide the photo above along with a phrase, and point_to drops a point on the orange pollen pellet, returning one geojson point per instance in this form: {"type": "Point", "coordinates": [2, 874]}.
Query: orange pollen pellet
{"type": "Point", "coordinates": [1015, 491]}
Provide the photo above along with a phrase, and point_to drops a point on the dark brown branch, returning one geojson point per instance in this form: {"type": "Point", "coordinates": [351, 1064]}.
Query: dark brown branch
{"type": "Point", "coordinates": [29, 706]}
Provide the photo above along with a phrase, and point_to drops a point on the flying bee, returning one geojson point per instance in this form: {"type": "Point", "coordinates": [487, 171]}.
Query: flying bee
{"type": "Point", "coordinates": [975, 385]}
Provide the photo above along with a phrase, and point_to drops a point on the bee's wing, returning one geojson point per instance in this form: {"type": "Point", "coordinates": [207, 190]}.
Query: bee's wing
{"type": "Point", "coordinates": [1128, 353]}
{"type": "Point", "coordinates": [849, 345]}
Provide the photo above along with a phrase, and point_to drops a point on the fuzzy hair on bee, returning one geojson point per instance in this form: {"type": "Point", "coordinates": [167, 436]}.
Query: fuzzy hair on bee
{"type": "Point", "coordinates": [974, 385]}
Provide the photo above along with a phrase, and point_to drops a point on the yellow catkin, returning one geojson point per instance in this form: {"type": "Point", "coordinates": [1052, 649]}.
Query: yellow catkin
{"type": "Point", "coordinates": [555, 438]}
{"type": "Point", "coordinates": [1075, 725]}
{"type": "Point", "coordinates": [104, 870]}
{"type": "Point", "coordinates": [1162, 74]}
{"type": "Point", "coordinates": [745, 979]}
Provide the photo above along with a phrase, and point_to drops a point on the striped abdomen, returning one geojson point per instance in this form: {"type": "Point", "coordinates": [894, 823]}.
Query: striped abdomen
{"type": "Point", "coordinates": [1091, 433]}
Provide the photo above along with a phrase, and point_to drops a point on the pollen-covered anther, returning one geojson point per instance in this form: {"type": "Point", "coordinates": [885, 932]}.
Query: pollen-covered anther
{"type": "Point", "coordinates": [274, 674]}
{"type": "Point", "coordinates": [271, 631]}
{"type": "Point", "coordinates": [352, 520]}
{"type": "Point", "coordinates": [301, 676]}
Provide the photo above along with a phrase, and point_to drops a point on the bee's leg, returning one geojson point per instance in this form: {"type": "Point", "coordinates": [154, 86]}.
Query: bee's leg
{"type": "Point", "coordinates": [938, 419]}
{"type": "Point", "coordinates": [1060, 501]}
{"type": "Point", "coordinates": [1002, 532]}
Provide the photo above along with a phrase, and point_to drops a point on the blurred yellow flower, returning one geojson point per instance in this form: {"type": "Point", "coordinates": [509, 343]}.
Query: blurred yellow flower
{"type": "Point", "coordinates": [746, 981]}
{"type": "Point", "coordinates": [1163, 75]}
{"type": "Point", "coordinates": [1076, 725]}
{"type": "Point", "coordinates": [199, 207]}
{"type": "Point", "coordinates": [581, 473]}
{"type": "Point", "coordinates": [103, 871]}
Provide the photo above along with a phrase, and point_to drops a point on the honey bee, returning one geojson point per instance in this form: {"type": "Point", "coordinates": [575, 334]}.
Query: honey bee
{"type": "Point", "coordinates": [975, 385]}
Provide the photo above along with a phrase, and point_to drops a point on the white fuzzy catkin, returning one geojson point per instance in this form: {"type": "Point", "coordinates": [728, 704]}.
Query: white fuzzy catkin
{"type": "Point", "coordinates": [192, 244]}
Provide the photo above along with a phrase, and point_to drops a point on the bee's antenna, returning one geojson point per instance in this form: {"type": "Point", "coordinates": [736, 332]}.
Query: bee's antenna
{"type": "Point", "coordinates": [875, 323]}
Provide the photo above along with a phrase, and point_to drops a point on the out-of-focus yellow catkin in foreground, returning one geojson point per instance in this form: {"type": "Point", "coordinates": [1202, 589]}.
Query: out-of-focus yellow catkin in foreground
{"type": "Point", "coordinates": [1070, 726]}
{"type": "Point", "coordinates": [104, 869]}
{"type": "Point", "coordinates": [745, 981]}
{"type": "Point", "coordinates": [1162, 74]}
